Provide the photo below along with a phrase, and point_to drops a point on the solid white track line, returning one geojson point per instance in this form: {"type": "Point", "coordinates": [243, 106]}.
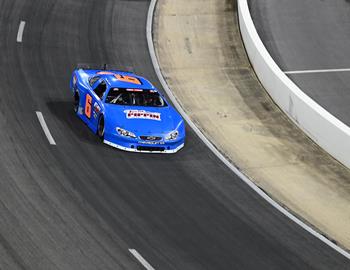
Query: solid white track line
{"type": "Point", "coordinates": [22, 24]}
{"type": "Point", "coordinates": [141, 259]}
{"type": "Point", "coordinates": [45, 128]}
{"type": "Point", "coordinates": [250, 183]}
{"type": "Point", "coordinates": [317, 71]}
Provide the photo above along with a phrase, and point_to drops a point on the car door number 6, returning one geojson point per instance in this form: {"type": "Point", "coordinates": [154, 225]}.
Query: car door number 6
{"type": "Point", "coordinates": [88, 105]}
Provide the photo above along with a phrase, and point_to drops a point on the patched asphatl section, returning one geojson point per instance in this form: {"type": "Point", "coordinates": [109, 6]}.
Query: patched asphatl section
{"type": "Point", "coordinates": [204, 62]}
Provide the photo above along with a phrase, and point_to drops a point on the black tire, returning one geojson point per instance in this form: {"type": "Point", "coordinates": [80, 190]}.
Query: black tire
{"type": "Point", "coordinates": [101, 127]}
{"type": "Point", "coordinates": [76, 102]}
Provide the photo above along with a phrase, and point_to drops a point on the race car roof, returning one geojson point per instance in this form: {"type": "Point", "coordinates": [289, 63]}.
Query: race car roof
{"type": "Point", "coordinates": [124, 80]}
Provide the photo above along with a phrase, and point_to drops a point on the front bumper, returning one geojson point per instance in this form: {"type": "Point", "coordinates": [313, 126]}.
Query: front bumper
{"type": "Point", "coordinates": [131, 145]}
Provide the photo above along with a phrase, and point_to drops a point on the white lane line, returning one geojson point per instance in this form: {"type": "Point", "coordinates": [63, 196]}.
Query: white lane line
{"type": "Point", "coordinates": [45, 128]}
{"type": "Point", "coordinates": [317, 71]}
{"type": "Point", "coordinates": [141, 259]}
{"type": "Point", "coordinates": [22, 24]}
{"type": "Point", "coordinates": [232, 167]}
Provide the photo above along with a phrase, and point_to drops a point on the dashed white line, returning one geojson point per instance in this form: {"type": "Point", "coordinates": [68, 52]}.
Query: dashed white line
{"type": "Point", "coordinates": [141, 259]}
{"type": "Point", "coordinates": [45, 128]}
{"type": "Point", "coordinates": [22, 24]}
{"type": "Point", "coordinates": [317, 71]}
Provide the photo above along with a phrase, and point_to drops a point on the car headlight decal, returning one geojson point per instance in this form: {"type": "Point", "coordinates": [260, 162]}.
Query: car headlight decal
{"type": "Point", "coordinates": [125, 133]}
{"type": "Point", "coordinates": [173, 135]}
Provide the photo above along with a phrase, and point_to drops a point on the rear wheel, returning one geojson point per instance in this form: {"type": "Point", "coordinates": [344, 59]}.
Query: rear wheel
{"type": "Point", "coordinates": [76, 102]}
{"type": "Point", "coordinates": [101, 127]}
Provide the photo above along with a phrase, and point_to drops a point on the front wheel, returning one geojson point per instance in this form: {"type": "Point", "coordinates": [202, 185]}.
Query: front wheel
{"type": "Point", "coordinates": [101, 127]}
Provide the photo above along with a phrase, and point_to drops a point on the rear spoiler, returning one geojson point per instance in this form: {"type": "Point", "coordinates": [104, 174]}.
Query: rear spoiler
{"type": "Point", "coordinates": [110, 67]}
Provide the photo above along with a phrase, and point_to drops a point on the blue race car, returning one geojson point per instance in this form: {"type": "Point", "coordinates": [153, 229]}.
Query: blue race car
{"type": "Point", "coordinates": [126, 111]}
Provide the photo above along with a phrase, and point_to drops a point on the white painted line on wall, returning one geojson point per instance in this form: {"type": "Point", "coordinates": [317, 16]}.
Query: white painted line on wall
{"type": "Point", "coordinates": [45, 128]}
{"type": "Point", "coordinates": [232, 167]}
{"type": "Point", "coordinates": [317, 71]}
{"type": "Point", "coordinates": [22, 24]}
{"type": "Point", "coordinates": [141, 259]}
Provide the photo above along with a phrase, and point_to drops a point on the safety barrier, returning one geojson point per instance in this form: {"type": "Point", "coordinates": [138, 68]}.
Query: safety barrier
{"type": "Point", "coordinates": [322, 127]}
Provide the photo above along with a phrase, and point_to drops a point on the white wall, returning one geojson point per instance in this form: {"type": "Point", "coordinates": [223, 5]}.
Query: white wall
{"type": "Point", "coordinates": [326, 130]}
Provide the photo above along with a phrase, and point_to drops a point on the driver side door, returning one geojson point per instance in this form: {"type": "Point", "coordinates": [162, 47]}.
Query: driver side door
{"type": "Point", "coordinates": [93, 103]}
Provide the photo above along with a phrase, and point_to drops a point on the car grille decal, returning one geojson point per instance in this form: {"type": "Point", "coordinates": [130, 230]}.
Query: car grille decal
{"type": "Point", "coordinates": [150, 138]}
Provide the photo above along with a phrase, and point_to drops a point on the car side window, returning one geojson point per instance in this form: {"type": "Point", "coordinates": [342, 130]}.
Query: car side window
{"type": "Point", "coordinates": [93, 80]}
{"type": "Point", "coordinates": [100, 89]}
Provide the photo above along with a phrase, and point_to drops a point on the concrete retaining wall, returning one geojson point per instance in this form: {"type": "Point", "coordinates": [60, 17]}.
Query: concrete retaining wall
{"type": "Point", "coordinates": [326, 130]}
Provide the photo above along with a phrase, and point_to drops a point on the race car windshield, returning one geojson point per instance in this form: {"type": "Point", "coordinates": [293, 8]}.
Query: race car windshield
{"type": "Point", "coordinates": [135, 97]}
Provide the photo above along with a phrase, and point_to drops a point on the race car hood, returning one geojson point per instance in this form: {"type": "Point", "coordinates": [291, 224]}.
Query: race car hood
{"type": "Point", "coordinates": [142, 120]}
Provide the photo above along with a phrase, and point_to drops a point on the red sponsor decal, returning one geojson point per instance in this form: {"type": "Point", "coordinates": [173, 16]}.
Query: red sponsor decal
{"type": "Point", "coordinates": [137, 114]}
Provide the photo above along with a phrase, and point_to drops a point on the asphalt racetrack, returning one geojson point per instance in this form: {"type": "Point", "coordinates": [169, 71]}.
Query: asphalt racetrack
{"type": "Point", "coordinates": [79, 204]}
{"type": "Point", "coordinates": [311, 38]}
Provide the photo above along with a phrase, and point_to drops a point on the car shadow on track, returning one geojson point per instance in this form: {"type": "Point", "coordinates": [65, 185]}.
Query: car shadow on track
{"type": "Point", "coordinates": [63, 111]}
